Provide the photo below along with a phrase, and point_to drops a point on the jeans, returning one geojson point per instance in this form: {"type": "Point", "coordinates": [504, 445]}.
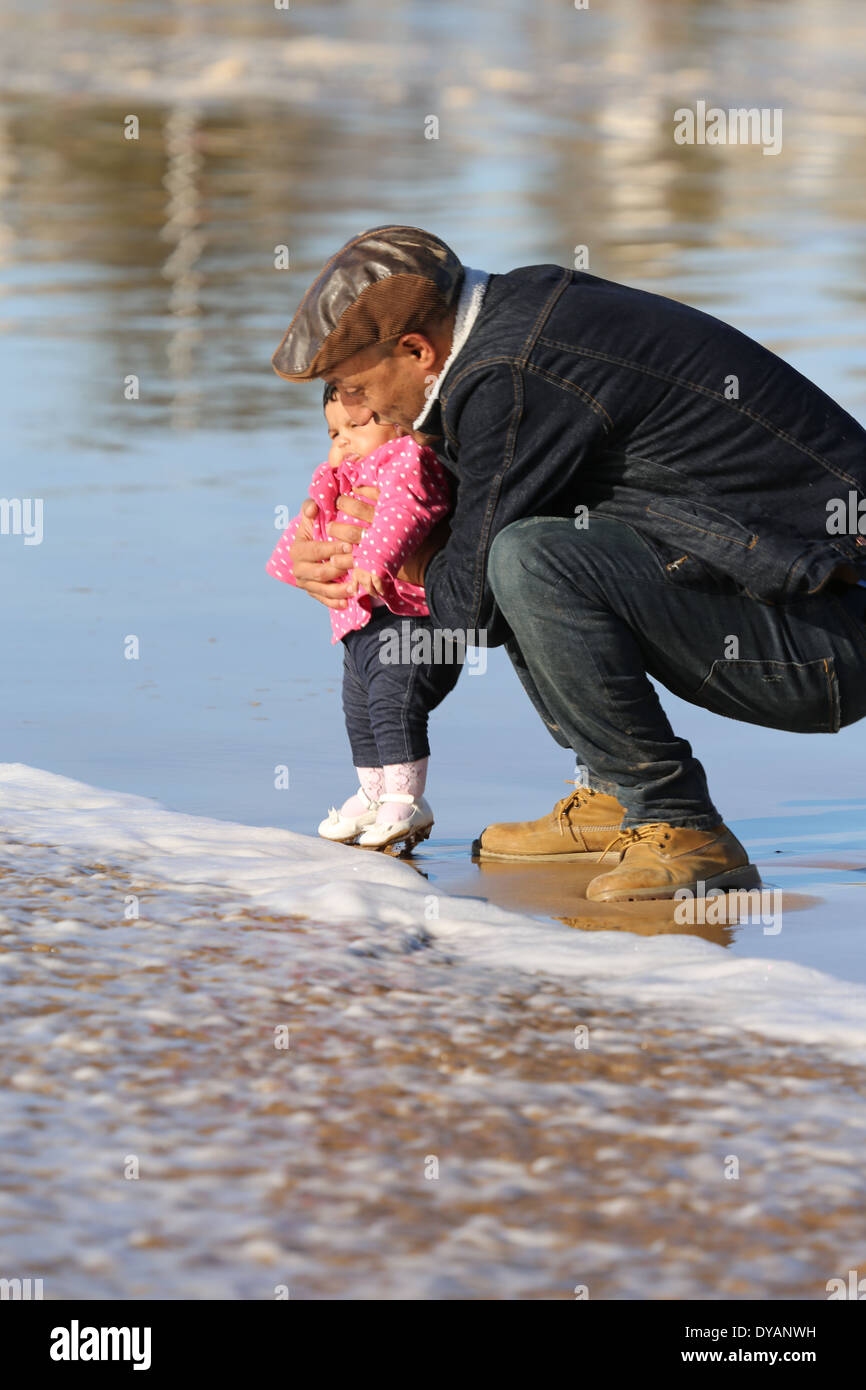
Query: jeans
{"type": "Point", "coordinates": [386, 702]}
{"type": "Point", "coordinates": [593, 611]}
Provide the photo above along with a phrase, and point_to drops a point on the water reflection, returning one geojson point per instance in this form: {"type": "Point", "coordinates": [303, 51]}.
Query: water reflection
{"type": "Point", "coordinates": [299, 127]}
{"type": "Point", "coordinates": [183, 232]}
{"type": "Point", "coordinates": [558, 891]}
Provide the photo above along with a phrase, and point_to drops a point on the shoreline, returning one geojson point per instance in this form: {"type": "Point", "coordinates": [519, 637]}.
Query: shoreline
{"type": "Point", "coordinates": [433, 1128]}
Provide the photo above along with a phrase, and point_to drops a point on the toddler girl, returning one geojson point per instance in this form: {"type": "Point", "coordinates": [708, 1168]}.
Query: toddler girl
{"type": "Point", "coordinates": [386, 702]}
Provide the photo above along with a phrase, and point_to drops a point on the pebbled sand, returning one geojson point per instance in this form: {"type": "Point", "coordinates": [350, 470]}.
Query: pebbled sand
{"type": "Point", "coordinates": [558, 1166]}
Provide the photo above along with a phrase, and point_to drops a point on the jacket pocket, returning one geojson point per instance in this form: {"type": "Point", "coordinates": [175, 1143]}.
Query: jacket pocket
{"type": "Point", "coordinates": [686, 571]}
{"type": "Point", "coordinates": [800, 696]}
{"type": "Point", "coordinates": [702, 523]}
{"type": "Point", "coordinates": [706, 535]}
{"type": "Point", "coordinates": [681, 567]}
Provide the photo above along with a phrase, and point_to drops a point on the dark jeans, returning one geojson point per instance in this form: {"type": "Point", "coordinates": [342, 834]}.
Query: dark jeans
{"type": "Point", "coordinates": [592, 611]}
{"type": "Point", "coordinates": [386, 702]}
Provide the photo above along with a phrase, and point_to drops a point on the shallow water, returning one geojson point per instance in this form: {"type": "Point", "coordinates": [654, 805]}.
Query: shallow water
{"type": "Point", "coordinates": [156, 258]}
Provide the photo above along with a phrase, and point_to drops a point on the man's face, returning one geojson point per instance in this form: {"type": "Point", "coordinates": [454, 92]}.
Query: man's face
{"type": "Point", "coordinates": [388, 383]}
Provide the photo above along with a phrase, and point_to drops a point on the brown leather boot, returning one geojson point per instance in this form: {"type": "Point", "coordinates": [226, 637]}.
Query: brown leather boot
{"type": "Point", "coordinates": [658, 859]}
{"type": "Point", "coordinates": [579, 827]}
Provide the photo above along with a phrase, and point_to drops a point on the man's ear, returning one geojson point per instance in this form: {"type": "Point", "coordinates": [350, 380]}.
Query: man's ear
{"type": "Point", "coordinates": [419, 346]}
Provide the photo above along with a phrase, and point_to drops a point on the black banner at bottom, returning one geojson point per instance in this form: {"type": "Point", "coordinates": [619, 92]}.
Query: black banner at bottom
{"type": "Point", "coordinates": [160, 1339]}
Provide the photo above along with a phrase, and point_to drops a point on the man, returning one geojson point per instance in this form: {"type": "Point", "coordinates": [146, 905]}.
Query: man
{"type": "Point", "coordinates": [641, 490]}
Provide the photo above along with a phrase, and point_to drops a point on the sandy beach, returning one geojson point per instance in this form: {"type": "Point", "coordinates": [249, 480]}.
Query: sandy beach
{"type": "Point", "coordinates": [374, 1105]}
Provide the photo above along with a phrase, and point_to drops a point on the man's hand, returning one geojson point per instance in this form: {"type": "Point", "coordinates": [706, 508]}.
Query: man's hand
{"type": "Point", "coordinates": [365, 582]}
{"type": "Point", "coordinates": [354, 507]}
{"type": "Point", "coordinates": [414, 566]}
{"type": "Point", "coordinates": [320, 566]}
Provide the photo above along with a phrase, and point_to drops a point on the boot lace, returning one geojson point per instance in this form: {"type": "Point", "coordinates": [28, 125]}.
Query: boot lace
{"type": "Point", "coordinates": [657, 832]}
{"type": "Point", "coordinates": [575, 798]}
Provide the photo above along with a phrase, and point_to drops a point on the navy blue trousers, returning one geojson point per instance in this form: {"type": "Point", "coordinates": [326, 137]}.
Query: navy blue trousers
{"type": "Point", "coordinates": [386, 701]}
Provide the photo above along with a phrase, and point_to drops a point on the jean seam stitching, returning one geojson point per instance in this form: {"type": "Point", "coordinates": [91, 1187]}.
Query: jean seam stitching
{"type": "Point", "coordinates": [685, 382]}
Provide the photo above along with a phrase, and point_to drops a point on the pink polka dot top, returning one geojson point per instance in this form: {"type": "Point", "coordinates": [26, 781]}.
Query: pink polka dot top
{"type": "Point", "coordinates": [413, 496]}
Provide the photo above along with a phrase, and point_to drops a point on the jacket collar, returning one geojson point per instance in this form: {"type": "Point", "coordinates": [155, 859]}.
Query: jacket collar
{"type": "Point", "coordinates": [468, 308]}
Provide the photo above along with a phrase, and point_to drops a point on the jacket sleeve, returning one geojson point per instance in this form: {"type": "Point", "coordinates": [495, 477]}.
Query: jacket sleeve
{"type": "Point", "coordinates": [323, 491]}
{"type": "Point", "coordinates": [515, 453]}
{"type": "Point", "coordinates": [413, 496]}
{"type": "Point", "coordinates": [280, 563]}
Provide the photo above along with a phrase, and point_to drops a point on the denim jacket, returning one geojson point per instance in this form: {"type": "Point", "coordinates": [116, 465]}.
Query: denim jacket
{"type": "Point", "coordinates": [573, 391]}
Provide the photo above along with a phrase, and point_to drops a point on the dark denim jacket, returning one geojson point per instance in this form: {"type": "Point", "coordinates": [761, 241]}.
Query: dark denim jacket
{"type": "Point", "coordinates": [573, 390]}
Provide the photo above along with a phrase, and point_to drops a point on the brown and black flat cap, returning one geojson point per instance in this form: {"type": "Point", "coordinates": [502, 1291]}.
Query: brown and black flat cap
{"type": "Point", "coordinates": [385, 282]}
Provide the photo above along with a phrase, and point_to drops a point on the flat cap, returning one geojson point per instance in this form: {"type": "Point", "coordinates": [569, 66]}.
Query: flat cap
{"type": "Point", "coordinates": [385, 282]}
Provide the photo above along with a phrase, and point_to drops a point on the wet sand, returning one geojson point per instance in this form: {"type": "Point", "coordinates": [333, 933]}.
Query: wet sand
{"type": "Point", "coordinates": [558, 892]}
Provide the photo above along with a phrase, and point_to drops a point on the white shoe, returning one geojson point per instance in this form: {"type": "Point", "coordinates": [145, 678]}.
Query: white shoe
{"type": "Point", "coordinates": [416, 826]}
{"type": "Point", "coordinates": [347, 828]}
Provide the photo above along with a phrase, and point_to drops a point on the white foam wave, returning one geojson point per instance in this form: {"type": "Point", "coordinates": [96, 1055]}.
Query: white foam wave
{"type": "Point", "coordinates": [289, 873]}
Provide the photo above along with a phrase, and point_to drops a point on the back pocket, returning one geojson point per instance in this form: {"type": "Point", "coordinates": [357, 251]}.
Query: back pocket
{"type": "Point", "coordinates": [799, 696]}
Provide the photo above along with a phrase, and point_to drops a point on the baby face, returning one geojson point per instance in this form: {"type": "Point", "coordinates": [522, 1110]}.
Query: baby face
{"type": "Point", "coordinates": [349, 441]}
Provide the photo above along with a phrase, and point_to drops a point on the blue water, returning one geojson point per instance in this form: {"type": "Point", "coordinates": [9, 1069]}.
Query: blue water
{"type": "Point", "coordinates": [157, 259]}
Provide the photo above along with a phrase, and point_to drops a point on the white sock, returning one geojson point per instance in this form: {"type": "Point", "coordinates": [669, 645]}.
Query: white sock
{"type": "Point", "coordinates": [372, 780]}
{"type": "Point", "coordinates": [410, 778]}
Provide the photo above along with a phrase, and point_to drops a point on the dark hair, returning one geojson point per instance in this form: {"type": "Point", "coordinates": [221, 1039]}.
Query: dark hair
{"type": "Point", "coordinates": [330, 394]}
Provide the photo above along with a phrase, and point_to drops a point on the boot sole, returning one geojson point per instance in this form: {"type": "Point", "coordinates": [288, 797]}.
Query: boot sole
{"type": "Point", "coordinates": [410, 839]}
{"type": "Point", "coordinates": [746, 877]}
{"type": "Point", "coordinates": [571, 857]}
{"type": "Point", "coordinates": [347, 840]}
